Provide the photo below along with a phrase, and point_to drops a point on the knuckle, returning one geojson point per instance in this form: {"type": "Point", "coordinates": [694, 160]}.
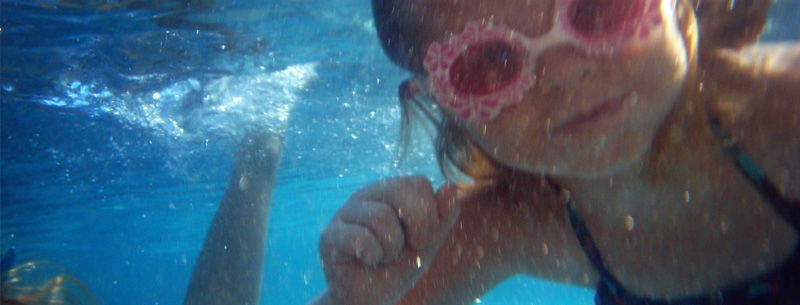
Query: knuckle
{"type": "Point", "coordinates": [383, 214]}
{"type": "Point", "coordinates": [419, 182]}
{"type": "Point", "coordinates": [329, 238]}
{"type": "Point", "coordinates": [327, 249]}
{"type": "Point", "coordinates": [328, 233]}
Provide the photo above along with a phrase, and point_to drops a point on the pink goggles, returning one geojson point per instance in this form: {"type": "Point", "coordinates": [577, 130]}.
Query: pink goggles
{"type": "Point", "coordinates": [488, 67]}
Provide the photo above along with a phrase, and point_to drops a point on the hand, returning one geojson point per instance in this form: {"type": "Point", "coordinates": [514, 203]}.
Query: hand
{"type": "Point", "coordinates": [383, 239]}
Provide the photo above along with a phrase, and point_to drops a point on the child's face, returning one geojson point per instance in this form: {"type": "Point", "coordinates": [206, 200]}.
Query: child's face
{"type": "Point", "coordinates": [584, 112]}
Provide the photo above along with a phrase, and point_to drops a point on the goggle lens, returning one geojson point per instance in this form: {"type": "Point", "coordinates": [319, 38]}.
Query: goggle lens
{"type": "Point", "coordinates": [485, 68]}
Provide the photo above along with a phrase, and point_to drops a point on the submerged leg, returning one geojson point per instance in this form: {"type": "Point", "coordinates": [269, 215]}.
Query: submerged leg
{"type": "Point", "coordinates": [228, 270]}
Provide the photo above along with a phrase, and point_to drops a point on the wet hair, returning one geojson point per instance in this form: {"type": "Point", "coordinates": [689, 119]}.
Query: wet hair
{"type": "Point", "coordinates": [706, 26]}
{"type": "Point", "coordinates": [397, 36]}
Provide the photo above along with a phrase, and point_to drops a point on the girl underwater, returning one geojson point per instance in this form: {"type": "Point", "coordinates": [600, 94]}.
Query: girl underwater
{"type": "Point", "coordinates": [646, 148]}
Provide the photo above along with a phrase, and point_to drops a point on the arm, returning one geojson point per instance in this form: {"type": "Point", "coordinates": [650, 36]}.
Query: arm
{"type": "Point", "coordinates": [496, 235]}
{"type": "Point", "coordinates": [481, 250]}
{"type": "Point", "coordinates": [758, 100]}
{"type": "Point", "coordinates": [228, 270]}
{"type": "Point", "coordinates": [501, 233]}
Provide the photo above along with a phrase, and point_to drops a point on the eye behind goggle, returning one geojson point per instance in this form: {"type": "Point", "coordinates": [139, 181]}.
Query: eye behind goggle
{"type": "Point", "coordinates": [485, 68]}
{"type": "Point", "coordinates": [594, 17]}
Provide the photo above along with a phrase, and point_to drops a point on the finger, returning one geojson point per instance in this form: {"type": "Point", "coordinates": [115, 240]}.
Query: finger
{"type": "Point", "coordinates": [412, 199]}
{"type": "Point", "coordinates": [448, 204]}
{"type": "Point", "coordinates": [448, 211]}
{"type": "Point", "coordinates": [382, 221]}
{"type": "Point", "coordinates": [344, 242]}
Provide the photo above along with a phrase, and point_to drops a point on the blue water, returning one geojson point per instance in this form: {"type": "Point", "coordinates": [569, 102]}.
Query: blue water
{"type": "Point", "coordinates": [118, 124]}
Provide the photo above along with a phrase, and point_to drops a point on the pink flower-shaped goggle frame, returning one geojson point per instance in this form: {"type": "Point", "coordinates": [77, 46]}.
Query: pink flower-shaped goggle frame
{"type": "Point", "coordinates": [642, 17]}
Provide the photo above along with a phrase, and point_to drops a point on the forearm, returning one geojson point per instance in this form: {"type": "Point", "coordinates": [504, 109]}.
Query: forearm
{"type": "Point", "coordinates": [462, 271]}
{"type": "Point", "coordinates": [451, 262]}
{"type": "Point", "coordinates": [228, 269]}
{"type": "Point", "coordinates": [447, 281]}
{"type": "Point", "coordinates": [490, 242]}
{"type": "Point", "coordinates": [473, 259]}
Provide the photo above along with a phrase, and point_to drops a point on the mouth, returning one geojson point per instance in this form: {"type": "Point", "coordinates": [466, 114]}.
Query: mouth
{"type": "Point", "coordinates": [596, 115]}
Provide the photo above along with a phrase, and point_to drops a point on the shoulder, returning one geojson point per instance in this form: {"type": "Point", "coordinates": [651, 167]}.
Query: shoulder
{"type": "Point", "coordinates": [756, 94]}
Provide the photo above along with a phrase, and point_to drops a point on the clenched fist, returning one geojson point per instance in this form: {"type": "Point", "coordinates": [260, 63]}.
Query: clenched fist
{"type": "Point", "coordinates": [383, 239]}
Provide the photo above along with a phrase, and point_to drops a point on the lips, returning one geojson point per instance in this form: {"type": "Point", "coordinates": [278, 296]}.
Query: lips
{"type": "Point", "coordinates": [605, 110]}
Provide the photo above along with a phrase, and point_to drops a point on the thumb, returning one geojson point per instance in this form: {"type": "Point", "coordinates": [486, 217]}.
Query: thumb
{"type": "Point", "coordinates": [448, 205]}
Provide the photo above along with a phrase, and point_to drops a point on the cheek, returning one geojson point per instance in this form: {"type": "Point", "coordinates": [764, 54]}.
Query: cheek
{"type": "Point", "coordinates": [495, 136]}
{"type": "Point", "coordinates": [659, 63]}
{"type": "Point", "coordinates": [659, 80]}
{"type": "Point", "coordinates": [511, 140]}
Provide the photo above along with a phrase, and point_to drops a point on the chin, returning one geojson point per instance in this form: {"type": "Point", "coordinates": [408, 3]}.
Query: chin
{"type": "Point", "coordinates": [593, 163]}
{"type": "Point", "coordinates": [582, 171]}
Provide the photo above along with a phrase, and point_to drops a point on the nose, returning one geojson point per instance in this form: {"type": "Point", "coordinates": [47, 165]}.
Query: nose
{"type": "Point", "coordinates": [562, 68]}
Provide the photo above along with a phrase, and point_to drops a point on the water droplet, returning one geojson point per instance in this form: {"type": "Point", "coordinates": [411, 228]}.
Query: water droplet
{"type": "Point", "coordinates": [629, 223]}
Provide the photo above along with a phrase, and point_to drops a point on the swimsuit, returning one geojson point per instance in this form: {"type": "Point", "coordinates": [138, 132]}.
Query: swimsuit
{"type": "Point", "coordinates": [780, 286]}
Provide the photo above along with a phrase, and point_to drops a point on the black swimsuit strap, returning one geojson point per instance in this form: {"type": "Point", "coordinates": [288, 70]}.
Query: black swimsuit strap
{"type": "Point", "coordinates": [610, 291]}
{"type": "Point", "coordinates": [585, 239]}
{"type": "Point", "coordinates": [788, 210]}
{"type": "Point", "coordinates": [587, 243]}
{"type": "Point", "coordinates": [589, 247]}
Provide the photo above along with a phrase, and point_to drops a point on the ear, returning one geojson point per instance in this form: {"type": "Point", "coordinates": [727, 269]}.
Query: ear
{"type": "Point", "coordinates": [730, 23]}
